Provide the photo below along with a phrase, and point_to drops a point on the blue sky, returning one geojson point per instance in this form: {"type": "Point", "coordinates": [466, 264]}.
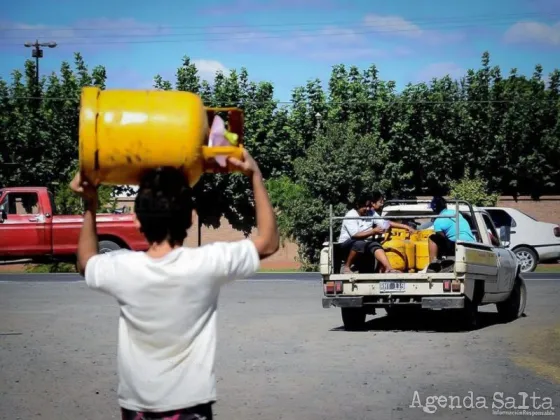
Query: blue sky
{"type": "Point", "coordinates": [286, 42]}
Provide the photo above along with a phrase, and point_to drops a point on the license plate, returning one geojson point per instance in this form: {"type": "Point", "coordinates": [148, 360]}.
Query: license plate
{"type": "Point", "coordinates": [392, 286]}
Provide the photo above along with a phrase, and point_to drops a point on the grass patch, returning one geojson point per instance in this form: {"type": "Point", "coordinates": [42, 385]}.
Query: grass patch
{"type": "Point", "coordinates": [548, 268]}
{"type": "Point", "coordinates": [541, 348]}
{"type": "Point", "coordinates": [50, 268]}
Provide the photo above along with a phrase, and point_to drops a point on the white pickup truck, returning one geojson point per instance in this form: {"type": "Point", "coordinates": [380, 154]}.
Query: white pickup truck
{"type": "Point", "coordinates": [480, 273]}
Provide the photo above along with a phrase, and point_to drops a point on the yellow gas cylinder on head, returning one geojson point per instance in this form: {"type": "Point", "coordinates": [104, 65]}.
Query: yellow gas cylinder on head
{"type": "Point", "coordinates": [422, 250]}
{"type": "Point", "coordinates": [125, 132]}
{"type": "Point", "coordinates": [395, 249]}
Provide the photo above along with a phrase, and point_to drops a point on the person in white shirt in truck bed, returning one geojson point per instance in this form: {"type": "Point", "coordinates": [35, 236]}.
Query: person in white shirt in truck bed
{"type": "Point", "coordinates": [354, 233]}
{"type": "Point", "coordinates": [168, 295]}
{"type": "Point", "coordinates": [377, 202]}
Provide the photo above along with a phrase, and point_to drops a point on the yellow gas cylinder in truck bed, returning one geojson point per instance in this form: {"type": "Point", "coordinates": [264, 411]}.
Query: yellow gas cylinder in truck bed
{"type": "Point", "coordinates": [410, 249]}
{"type": "Point", "coordinates": [422, 250]}
{"type": "Point", "coordinates": [395, 249]}
{"type": "Point", "coordinates": [122, 133]}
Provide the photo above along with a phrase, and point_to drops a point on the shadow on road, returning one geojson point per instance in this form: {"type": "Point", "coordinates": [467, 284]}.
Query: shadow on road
{"type": "Point", "coordinates": [429, 321]}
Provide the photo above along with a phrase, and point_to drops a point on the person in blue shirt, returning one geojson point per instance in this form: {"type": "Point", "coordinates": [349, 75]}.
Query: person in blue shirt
{"type": "Point", "coordinates": [442, 242]}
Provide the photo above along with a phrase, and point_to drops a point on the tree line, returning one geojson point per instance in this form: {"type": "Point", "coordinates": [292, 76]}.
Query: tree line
{"type": "Point", "coordinates": [499, 132]}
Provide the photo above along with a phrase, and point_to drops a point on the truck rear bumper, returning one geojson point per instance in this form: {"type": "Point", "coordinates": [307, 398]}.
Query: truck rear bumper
{"type": "Point", "coordinates": [343, 302]}
{"type": "Point", "coordinates": [447, 302]}
{"type": "Point", "coordinates": [428, 302]}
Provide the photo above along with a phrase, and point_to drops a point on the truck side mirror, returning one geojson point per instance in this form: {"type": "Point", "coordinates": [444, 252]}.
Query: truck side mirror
{"type": "Point", "coordinates": [505, 235]}
{"type": "Point", "coordinates": [3, 215]}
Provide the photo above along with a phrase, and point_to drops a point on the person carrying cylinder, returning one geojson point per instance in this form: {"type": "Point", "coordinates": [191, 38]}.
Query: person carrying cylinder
{"type": "Point", "coordinates": [354, 233]}
{"type": "Point", "coordinates": [168, 295]}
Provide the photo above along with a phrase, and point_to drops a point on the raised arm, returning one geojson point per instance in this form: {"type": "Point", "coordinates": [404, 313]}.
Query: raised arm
{"type": "Point", "coordinates": [401, 226]}
{"type": "Point", "coordinates": [87, 242]}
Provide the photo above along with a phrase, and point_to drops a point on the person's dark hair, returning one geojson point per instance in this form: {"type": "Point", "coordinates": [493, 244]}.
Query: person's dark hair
{"type": "Point", "coordinates": [438, 204]}
{"type": "Point", "coordinates": [376, 196]}
{"type": "Point", "coordinates": [361, 201]}
{"type": "Point", "coordinates": [164, 205]}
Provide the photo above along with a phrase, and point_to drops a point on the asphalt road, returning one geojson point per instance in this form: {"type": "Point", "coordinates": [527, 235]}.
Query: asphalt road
{"type": "Point", "coordinates": [280, 355]}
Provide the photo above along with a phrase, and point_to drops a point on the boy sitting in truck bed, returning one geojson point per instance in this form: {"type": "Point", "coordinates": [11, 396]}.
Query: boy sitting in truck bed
{"type": "Point", "coordinates": [377, 202]}
{"type": "Point", "coordinates": [354, 233]}
{"type": "Point", "coordinates": [442, 242]}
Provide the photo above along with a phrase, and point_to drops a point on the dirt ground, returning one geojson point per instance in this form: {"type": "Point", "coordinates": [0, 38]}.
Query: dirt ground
{"type": "Point", "coordinates": [280, 356]}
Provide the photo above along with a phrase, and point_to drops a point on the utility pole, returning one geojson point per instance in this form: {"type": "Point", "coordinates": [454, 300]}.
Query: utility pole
{"type": "Point", "coordinates": [37, 53]}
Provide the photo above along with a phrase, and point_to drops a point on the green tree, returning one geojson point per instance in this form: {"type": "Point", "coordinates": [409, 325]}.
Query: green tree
{"type": "Point", "coordinates": [265, 137]}
{"type": "Point", "coordinates": [40, 122]}
{"type": "Point", "coordinates": [67, 202]}
{"type": "Point", "coordinates": [475, 190]}
{"type": "Point", "coordinates": [336, 169]}
{"type": "Point", "coordinates": [330, 144]}
{"type": "Point", "coordinates": [429, 138]}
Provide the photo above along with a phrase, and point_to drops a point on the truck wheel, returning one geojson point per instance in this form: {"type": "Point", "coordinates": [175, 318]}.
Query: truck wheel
{"type": "Point", "coordinates": [469, 316]}
{"type": "Point", "coordinates": [514, 306]}
{"type": "Point", "coordinates": [108, 246]}
{"type": "Point", "coordinates": [354, 319]}
{"type": "Point", "coordinates": [527, 259]}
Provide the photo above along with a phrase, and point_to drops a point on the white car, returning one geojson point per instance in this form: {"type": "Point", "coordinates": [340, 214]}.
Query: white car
{"type": "Point", "coordinates": [532, 241]}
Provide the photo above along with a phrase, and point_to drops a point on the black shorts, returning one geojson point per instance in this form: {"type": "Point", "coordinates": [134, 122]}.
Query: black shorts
{"type": "Point", "coordinates": [360, 246]}
{"type": "Point", "coordinates": [445, 246]}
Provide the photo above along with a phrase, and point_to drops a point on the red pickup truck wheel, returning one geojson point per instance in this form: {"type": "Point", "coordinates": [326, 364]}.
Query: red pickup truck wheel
{"type": "Point", "coordinates": [108, 246]}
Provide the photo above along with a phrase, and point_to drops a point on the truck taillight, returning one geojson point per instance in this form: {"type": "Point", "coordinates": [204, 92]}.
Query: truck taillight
{"type": "Point", "coordinates": [557, 231]}
{"type": "Point", "coordinates": [451, 286]}
{"type": "Point", "coordinates": [333, 287]}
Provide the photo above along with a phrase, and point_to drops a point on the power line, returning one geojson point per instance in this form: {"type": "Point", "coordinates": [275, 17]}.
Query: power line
{"type": "Point", "coordinates": [305, 23]}
{"type": "Point", "coordinates": [250, 35]}
{"type": "Point", "coordinates": [318, 31]}
{"type": "Point", "coordinates": [233, 37]}
{"type": "Point", "coordinates": [376, 102]}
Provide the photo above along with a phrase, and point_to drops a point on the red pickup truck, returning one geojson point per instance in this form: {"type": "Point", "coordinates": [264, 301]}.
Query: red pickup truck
{"type": "Point", "coordinates": [30, 229]}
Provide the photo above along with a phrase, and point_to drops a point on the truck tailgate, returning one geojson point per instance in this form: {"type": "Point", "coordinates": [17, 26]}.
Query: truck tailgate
{"type": "Point", "coordinates": [390, 284]}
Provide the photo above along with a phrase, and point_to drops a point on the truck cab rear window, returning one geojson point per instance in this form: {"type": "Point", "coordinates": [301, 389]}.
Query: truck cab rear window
{"type": "Point", "coordinates": [21, 203]}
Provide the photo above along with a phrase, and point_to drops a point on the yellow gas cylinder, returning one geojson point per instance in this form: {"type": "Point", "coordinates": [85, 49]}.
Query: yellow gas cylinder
{"type": "Point", "coordinates": [395, 249]}
{"type": "Point", "coordinates": [125, 132]}
{"type": "Point", "coordinates": [410, 249]}
{"type": "Point", "coordinates": [422, 250]}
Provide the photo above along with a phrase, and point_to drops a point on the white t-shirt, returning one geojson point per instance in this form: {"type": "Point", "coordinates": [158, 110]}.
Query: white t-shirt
{"type": "Point", "coordinates": [351, 227]}
{"type": "Point", "coordinates": [167, 323]}
{"type": "Point", "coordinates": [381, 223]}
